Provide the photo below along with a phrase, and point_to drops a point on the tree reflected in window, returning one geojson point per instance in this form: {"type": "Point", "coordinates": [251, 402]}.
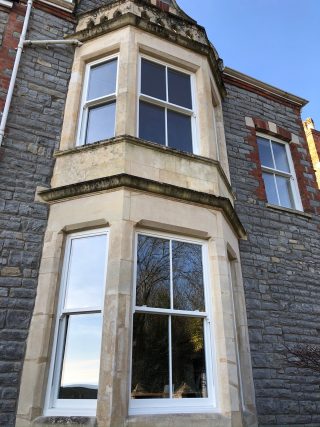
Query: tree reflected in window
{"type": "Point", "coordinates": [168, 355]}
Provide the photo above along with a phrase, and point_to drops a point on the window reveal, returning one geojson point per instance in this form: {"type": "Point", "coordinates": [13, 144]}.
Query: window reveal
{"type": "Point", "coordinates": [166, 111]}
{"type": "Point", "coordinates": [169, 324]}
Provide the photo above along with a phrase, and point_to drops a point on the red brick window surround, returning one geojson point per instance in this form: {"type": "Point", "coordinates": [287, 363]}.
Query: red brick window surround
{"type": "Point", "coordinates": [267, 128]}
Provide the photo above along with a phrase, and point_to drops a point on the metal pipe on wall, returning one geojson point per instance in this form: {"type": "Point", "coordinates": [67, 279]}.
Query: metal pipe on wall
{"type": "Point", "coordinates": [15, 71]}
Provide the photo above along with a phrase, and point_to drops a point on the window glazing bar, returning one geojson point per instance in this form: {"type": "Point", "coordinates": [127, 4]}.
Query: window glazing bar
{"type": "Point", "coordinates": [276, 172]}
{"type": "Point", "coordinates": [168, 105]}
{"type": "Point", "coordinates": [101, 100]}
{"type": "Point", "coordinates": [166, 311]}
{"type": "Point", "coordinates": [75, 311]}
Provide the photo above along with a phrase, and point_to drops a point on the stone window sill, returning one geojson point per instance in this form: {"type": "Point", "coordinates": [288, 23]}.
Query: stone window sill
{"type": "Point", "coordinates": [6, 3]}
{"type": "Point", "coordinates": [288, 210]}
{"type": "Point", "coordinates": [64, 421]}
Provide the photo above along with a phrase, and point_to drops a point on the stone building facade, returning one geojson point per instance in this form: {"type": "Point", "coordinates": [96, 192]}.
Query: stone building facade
{"type": "Point", "coordinates": [154, 270]}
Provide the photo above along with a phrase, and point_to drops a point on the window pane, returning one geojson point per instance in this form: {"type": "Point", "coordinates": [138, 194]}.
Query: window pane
{"type": "Point", "coordinates": [179, 131]}
{"type": "Point", "coordinates": [153, 272]}
{"type": "Point", "coordinates": [153, 79]}
{"type": "Point", "coordinates": [152, 123]}
{"type": "Point", "coordinates": [270, 186]}
{"type": "Point", "coordinates": [102, 80]}
{"type": "Point", "coordinates": [188, 289]}
{"type": "Point", "coordinates": [81, 359]}
{"type": "Point", "coordinates": [265, 152]}
{"type": "Point", "coordinates": [100, 123]}
{"type": "Point", "coordinates": [86, 272]}
{"type": "Point", "coordinates": [285, 192]}
{"type": "Point", "coordinates": [150, 359]}
{"type": "Point", "coordinates": [188, 358]}
{"type": "Point", "coordinates": [179, 88]}
{"type": "Point", "coordinates": [280, 156]}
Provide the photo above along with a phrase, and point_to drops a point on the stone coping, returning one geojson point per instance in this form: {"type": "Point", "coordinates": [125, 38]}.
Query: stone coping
{"type": "Point", "coordinates": [151, 145]}
{"type": "Point", "coordinates": [149, 186]}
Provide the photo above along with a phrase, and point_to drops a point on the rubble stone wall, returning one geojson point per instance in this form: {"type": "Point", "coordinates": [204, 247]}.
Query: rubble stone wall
{"type": "Point", "coordinates": [280, 265]}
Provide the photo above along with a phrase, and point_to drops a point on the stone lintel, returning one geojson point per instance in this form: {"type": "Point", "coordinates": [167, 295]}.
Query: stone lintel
{"type": "Point", "coordinates": [149, 186]}
{"type": "Point", "coordinates": [183, 231]}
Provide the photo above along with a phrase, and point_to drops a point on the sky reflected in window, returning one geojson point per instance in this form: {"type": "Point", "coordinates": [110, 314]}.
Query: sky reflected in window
{"type": "Point", "coordinates": [81, 359]}
{"type": "Point", "coordinates": [86, 272]}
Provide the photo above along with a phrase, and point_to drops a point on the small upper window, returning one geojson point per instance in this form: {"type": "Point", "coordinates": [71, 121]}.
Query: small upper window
{"type": "Point", "coordinates": [278, 173]}
{"type": "Point", "coordinates": [166, 107]}
{"type": "Point", "coordinates": [98, 108]}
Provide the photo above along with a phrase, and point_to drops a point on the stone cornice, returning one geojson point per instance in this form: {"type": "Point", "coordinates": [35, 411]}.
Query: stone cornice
{"type": "Point", "coordinates": [149, 186]}
{"type": "Point", "coordinates": [151, 145]}
{"type": "Point", "coordinates": [131, 19]}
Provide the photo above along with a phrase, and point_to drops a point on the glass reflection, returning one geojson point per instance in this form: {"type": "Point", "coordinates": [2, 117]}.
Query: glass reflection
{"type": "Point", "coordinates": [280, 156]}
{"type": "Point", "coordinates": [150, 360]}
{"type": "Point", "coordinates": [285, 193]}
{"type": "Point", "coordinates": [153, 79]}
{"type": "Point", "coordinates": [265, 152]}
{"type": "Point", "coordinates": [179, 88]}
{"type": "Point", "coordinates": [179, 131]}
{"type": "Point", "coordinates": [100, 125]}
{"type": "Point", "coordinates": [153, 272]}
{"type": "Point", "coordinates": [188, 358]}
{"type": "Point", "coordinates": [188, 288]}
{"type": "Point", "coordinates": [270, 187]}
{"type": "Point", "coordinates": [152, 123]}
{"type": "Point", "coordinates": [102, 80]}
{"type": "Point", "coordinates": [81, 358]}
{"type": "Point", "coordinates": [85, 284]}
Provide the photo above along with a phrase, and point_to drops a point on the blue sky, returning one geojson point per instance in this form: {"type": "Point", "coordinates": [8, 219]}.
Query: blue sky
{"type": "Point", "coordinates": [276, 41]}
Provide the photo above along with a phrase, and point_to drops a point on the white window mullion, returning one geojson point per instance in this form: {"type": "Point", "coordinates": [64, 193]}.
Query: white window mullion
{"type": "Point", "coordinates": [166, 115]}
{"type": "Point", "coordinates": [170, 357]}
{"type": "Point", "coordinates": [166, 126]}
{"type": "Point", "coordinates": [167, 86]}
{"type": "Point", "coordinates": [171, 275]}
{"type": "Point", "coordinates": [169, 320]}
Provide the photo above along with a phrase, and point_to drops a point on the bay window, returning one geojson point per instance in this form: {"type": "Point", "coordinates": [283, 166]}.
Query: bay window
{"type": "Point", "coordinates": [278, 173]}
{"type": "Point", "coordinates": [98, 106]}
{"type": "Point", "coordinates": [166, 106]}
{"type": "Point", "coordinates": [74, 373]}
{"type": "Point", "coordinates": [171, 335]}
